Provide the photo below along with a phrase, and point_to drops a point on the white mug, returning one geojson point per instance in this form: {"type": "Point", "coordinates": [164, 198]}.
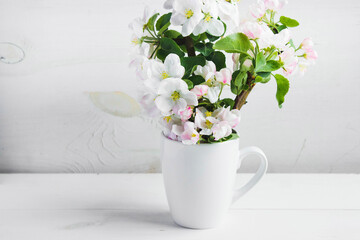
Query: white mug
{"type": "Point", "coordinates": [199, 180]}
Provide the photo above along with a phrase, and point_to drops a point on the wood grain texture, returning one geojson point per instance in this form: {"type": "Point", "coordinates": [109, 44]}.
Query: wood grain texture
{"type": "Point", "coordinates": [133, 206]}
{"type": "Point", "coordinates": [48, 123]}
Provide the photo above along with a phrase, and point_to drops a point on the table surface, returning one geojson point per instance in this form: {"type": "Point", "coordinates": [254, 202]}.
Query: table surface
{"type": "Point", "coordinates": [133, 206]}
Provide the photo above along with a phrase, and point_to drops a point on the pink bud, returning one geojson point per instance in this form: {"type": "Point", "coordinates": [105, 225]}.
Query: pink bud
{"type": "Point", "coordinates": [200, 90]}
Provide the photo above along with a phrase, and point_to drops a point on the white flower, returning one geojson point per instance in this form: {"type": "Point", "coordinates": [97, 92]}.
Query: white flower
{"type": "Point", "coordinates": [289, 60]}
{"type": "Point", "coordinates": [213, 79]}
{"type": "Point", "coordinates": [210, 22]}
{"type": "Point", "coordinates": [186, 13]}
{"type": "Point", "coordinates": [171, 68]}
{"type": "Point", "coordinates": [138, 25]}
{"type": "Point", "coordinates": [228, 13]}
{"type": "Point", "coordinates": [205, 121]}
{"type": "Point", "coordinates": [221, 130]}
{"type": "Point", "coordinates": [186, 114]}
{"type": "Point", "coordinates": [168, 4]}
{"type": "Point", "coordinates": [167, 124]}
{"type": "Point", "coordinates": [224, 76]}
{"type": "Point", "coordinates": [219, 123]}
{"type": "Point", "coordinates": [142, 67]}
{"type": "Point", "coordinates": [200, 90]}
{"type": "Point", "coordinates": [275, 5]}
{"type": "Point", "coordinates": [257, 10]}
{"type": "Point", "coordinates": [187, 133]}
{"type": "Point", "coordinates": [148, 104]}
{"type": "Point", "coordinates": [174, 96]}
{"type": "Point", "coordinates": [281, 39]}
{"type": "Point", "coordinates": [252, 30]}
{"type": "Point", "coordinates": [231, 117]}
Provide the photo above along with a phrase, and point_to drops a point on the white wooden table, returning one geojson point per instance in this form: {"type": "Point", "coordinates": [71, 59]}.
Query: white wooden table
{"type": "Point", "coordinates": [286, 206]}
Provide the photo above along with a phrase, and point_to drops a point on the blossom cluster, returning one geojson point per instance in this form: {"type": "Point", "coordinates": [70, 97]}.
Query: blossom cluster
{"type": "Point", "coordinates": [180, 60]}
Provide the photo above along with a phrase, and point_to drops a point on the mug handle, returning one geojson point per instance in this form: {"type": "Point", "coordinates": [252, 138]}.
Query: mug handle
{"type": "Point", "coordinates": [258, 175]}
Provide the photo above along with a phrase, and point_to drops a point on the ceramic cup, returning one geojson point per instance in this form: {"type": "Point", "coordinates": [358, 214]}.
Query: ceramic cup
{"type": "Point", "coordinates": [199, 180]}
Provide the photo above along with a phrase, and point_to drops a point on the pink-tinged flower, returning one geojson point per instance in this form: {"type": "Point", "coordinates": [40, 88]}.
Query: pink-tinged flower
{"type": "Point", "coordinates": [167, 124]}
{"type": "Point", "coordinates": [186, 114]}
{"type": "Point", "coordinates": [187, 133]}
{"type": "Point", "coordinates": [252, 30]}
{"type": "Point", "coordinates": [289, 60]}
{"type": "Point", "coordinates": [311, 54]}
{"type": "Point", "coordinates": [200, 90]}
{"type": "Point", "coordinates": [174, 96]}
{"type": "Point", "coordinates": [258, 9]}
{"type": "Point", "coordinates": [275, 5]}
{"type": "Point", "coordinates": [221, 130]}
{"type": "Point", "coordinates": [307, 44]}
{"type": "Point", "coordinates": [224, 76]}
{"type": "Point", "coordinates": [148, 104]}
{"type": "Point", "coordinates": [231, 117]}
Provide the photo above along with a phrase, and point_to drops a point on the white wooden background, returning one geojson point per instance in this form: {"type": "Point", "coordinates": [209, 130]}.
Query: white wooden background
{"type": "Point", "coordinates": [48, 122]}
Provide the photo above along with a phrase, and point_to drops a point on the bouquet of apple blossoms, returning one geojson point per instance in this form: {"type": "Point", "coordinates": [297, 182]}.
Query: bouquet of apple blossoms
{"type": "Point", "coordinates": [181, 63]}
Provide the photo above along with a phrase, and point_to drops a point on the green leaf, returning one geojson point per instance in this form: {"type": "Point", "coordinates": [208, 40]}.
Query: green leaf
{"type": "Point", "coordinates": [189, 83]}
{"type": "Point", "coordinates": [270, 66]}
{"type": "Point", "coordinates": [283, 86]}
{"type": "Point", "coordinates": [211, 37]}
{"type": "Point", "coordinates": [219, 59]}
{"type": "Point", "coordinates": [169, 46]}
{"type": "Point", "coordinates": [227, 102]}
{"type": "Point", "coordinates": [150, 24]}
{"type": "Point", "coordinates": [261, 79]}
{"type": "Point", "coordinates": [190, 62]}
{"type": "Point", "coordinates": [196, 79]}
{"type": "Point", "coordinates": [289, 22]}
{"type": "Point", "coordinates": [240, 80]}
{"type": "Point", "coordinates": [260, 61]}
{"type": "Point", "coordinates": [233, 87]}
{"type": "Point", "coordinates": [172, 34]}
{"type": "Point", "coordinates": [205, 48]}
{"type": "Point", "coordinates": [235, 43]}
{"type": "Point", "coordinates": [201, 37]}
{"type": "Point", "coordinates": [280, 28]}
{"type": "Point", "coordinates": [163, 21]}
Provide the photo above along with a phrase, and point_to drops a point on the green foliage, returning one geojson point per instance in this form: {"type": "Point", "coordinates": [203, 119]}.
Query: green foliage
{"type": "Point", "coordinates": [211, 139]}
{"type": "Point", "coordinates": [263, 77]}
{"type": "Point", "coordinates": [204, 48]}
{"type": "Point", "coordinates": [172, 34]}
{"type": "Point", "coordinates": [260, 61]}
{"type": "Point", "coordinates": [197, 80]}
{"type": "Point", "coordinates": [270, 66]}
{"type": "Point", "coordinates": [190, 62]}
{"type": "Point", "coordinates": [235, 43]}
{"type": "Point", "coordinates": [169, 46]}
{"type": "Point", "coordinates": [238, 82]}
{"type": "Point", "coordinates": [218, 58]}
{"type": "Point", "coordinates": [189, 83]}
{"type": "Point", "coordinates": [283, 86]}
{"type": "Point", "coordinates": [164, 20]}
{"type": "Point", "coordinates": [289, 22]}
{"type": "Point", "coordinates": [150, 24]}
{"type": "Point", "coordinates": [211, 37]}
{"type": "Point", "coordinates": [227, 102]}
{"type": "Point", "coordinates": [281, 27]}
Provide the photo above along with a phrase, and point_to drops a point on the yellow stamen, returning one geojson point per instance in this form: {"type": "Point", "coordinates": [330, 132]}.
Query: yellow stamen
{"type": "Point", "coordinates": [208, 114]}
{"type": "Point", "coordinates": [193, 135]}
{"type": "Point", "coordinates": [207, 17]}
{"type": "Point", "coordinates": [208, 124]}
{"type": "Point", "coordinates": [135, 41]}
{"type": "Point", "coordinates": [189, 13]}
{"type": "Point", "coordinates": [167, 119]}
{"type": "Point", "coordinates": [164, 75]}
{"type": "Point", "coordinates": [175, 96]}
